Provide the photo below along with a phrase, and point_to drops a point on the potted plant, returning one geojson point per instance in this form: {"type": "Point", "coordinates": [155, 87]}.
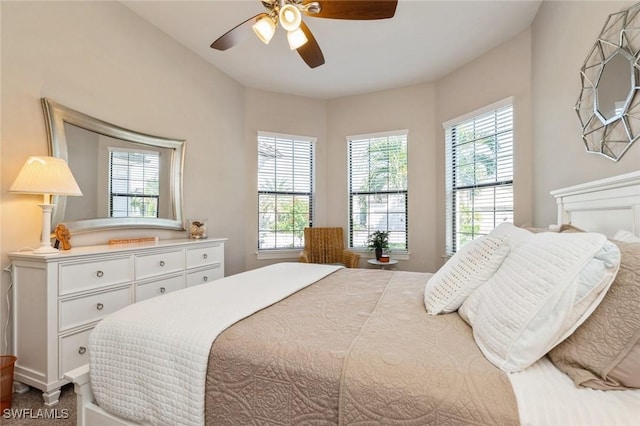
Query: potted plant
{"type": "Point", "coordinates": [378, 241]}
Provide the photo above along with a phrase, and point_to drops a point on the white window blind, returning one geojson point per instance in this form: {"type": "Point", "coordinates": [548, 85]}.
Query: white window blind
{"type": "Point", "coordinates": [134, 178]}
{"type": "Point", "coordinates": [285, 190]}
{"type": "Point", "coordinates": [378, 195]}
{"type": "Point", "coordinates": [479, 175]}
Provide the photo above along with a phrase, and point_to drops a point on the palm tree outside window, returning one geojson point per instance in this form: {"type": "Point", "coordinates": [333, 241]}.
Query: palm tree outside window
{"type": "Point", "coordinates": [378, 189]}
{"type": "Point", "coordinates": [478, 173]}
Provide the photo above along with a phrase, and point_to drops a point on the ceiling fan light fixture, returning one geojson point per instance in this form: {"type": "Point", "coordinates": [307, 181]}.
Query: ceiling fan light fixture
{"type": "Point", "coordinates": [265, 28]}
{"type": "Point", "coordinates": [313, 7]}
{"type": "Point", "coordinates": [290, 17]}
{"type": "Point", "coordinates": [288, 13]}
{"type": "Point", "coordinates": [296, 38]}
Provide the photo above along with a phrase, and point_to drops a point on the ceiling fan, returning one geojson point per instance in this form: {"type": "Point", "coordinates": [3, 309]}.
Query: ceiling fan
{"type": "Point", "coordinates": [288, 14]}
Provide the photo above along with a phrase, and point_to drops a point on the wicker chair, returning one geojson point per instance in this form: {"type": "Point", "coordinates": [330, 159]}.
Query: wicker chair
{"type": "Point", "coordinates": [326, 245]}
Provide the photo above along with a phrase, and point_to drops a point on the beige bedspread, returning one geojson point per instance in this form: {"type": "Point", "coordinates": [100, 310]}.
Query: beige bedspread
{"type": "Point", "coordinates": [355, 348]}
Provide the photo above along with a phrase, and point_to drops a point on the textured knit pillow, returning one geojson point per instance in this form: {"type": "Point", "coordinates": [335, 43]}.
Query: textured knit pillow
{"type": "Point", "coordinates": [604, 352]}
{"type": "Point", "coordinates": [468, 269]}
{"type": "Point", "coordinates": [543, 291]}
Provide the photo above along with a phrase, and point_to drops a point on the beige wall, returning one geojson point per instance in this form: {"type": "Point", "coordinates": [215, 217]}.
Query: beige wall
{"type": "Point", "coordinates": [421, 109]}
{"type": "Point", "coordinates": [563, 33]}
{"type": "Point", "coordinates": [409, 108]}
{"type": "Point", "coordinates": [293, 115]}
{"type": "Point", "coordinates": [499, 74]}
{"type": "Point", "coordinates": [100, 58]}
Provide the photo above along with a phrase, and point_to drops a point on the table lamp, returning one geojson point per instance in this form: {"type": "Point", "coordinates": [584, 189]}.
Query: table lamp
{"type": "Point", "coordinates": [47, 176]}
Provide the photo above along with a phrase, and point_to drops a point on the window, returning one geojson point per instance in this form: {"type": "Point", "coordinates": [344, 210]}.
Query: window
{"type": "Point", "coordinates": [378, 194]}
{"type": "Point", "coordinates": [285, 190]}
{"type": "Point", "coordinates": [478, 173]}
{"type": "Point", "coordinates": [133, 183]}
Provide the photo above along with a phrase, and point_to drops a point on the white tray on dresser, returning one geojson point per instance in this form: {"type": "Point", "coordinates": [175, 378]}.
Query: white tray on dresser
{"type": "Point", "coordinates": [58, 299]}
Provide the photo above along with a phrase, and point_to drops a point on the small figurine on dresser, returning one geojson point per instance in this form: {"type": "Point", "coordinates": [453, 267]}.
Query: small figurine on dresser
{"type": "Point", "coordinates": [62, 237]}
{"type": "Point", "coordinates": [197, 229]}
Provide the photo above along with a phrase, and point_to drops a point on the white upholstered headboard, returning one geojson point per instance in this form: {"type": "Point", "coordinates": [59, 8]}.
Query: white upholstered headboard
{"type": "Point", "coordinates": [605, 205]}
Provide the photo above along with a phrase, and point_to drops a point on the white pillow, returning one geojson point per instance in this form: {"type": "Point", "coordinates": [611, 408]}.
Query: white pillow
{"type": "Point", "coordinates": [626, 236]}
{"type": "Point", "coordinates": [516, 237]}
{"type": "Point", "coordinates": [515, 234]}
{"type": "Point", "coordinates": [469, 268]}
{"type": "Point", "coordinates": [469, 307]}
{"type": "Point", "coordinates": [544, 290]}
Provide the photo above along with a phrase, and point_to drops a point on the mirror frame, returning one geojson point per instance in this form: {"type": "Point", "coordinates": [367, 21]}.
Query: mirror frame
{"type": "Point", "coordinates": [611, 137]}
{"type": "Point", "coordinates": [57, 115]}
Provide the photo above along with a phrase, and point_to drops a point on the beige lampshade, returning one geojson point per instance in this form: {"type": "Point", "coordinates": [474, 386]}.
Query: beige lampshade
{"type": "Point", "coordinates": [45, 175]}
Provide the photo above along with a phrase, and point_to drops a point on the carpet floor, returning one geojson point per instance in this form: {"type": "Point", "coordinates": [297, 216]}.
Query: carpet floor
{"type": "Point", "coordinates": [28, 409]}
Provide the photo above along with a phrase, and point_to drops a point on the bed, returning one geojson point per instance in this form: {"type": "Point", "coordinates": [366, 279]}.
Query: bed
{"type": "Point", "coordinates": [335, 347]}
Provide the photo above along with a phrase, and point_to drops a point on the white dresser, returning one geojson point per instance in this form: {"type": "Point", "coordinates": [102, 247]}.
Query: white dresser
{"type": "Point", "coordinates": [59, 298]}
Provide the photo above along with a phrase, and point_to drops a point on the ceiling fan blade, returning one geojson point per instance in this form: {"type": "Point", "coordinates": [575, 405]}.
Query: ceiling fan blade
{"type": "Point", "coordinates": [310, 51]}
{"type": "Point", "coordinates": [354, 9]}
{"type": "Point", "coordinates": [236, 34]}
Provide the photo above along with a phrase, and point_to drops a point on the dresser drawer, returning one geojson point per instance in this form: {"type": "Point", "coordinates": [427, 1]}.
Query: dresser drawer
{"type": "Point", "coordinates": [202, 276]}
{"type": "Point", "coordinates": [157, 288]}
{"type": "Point", "coordinates": [74, 351]}
{"type": "Point", "coordinates": [151, 265]}
{"type": "Point", "coordinates": [76, 277]}
{"type": "Point", "coordinates": [83, 310]}
{"type": "Point", "coordinates": [203, 256]}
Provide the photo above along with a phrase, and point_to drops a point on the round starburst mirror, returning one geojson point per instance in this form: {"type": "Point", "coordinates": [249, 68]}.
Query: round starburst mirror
{"type": "Point", "coordinates": [609, 105]}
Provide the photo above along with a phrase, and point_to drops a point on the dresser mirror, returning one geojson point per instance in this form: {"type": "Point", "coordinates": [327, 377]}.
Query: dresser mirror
{"type": "Point", "coordinates": [128, 179]}
{"type": "Point", "coordinates": [608, 105]}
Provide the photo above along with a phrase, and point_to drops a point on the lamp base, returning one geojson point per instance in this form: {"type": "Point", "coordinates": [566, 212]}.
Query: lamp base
{"type": "Point", "coordinates": [46, 249]}
{"type": "Point", "coordinates": [45, 243]}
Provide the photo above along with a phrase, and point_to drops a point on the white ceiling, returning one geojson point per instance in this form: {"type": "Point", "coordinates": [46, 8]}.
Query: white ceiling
{"type": "Point", "coordinates": [424, 41]}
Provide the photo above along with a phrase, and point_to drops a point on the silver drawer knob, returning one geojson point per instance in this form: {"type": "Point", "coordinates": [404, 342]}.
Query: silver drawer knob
{"type": "Point", "coordinates": [204, 256]}
{"type": "Point", "coordinates": [162, 263]}
{"type": "Point", "coordinates": [99, 274]}
{"type": "Point", "coordinates": [82, 350]}
{"type": "Point", "coordinates": [205, 278]}
{"type": "Point", "coordinates": [162, 290]}
{"type": "Point", "coordinates": [99, 306]}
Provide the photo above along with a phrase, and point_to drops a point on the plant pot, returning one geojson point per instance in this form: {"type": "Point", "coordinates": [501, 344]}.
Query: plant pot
{"type": "Point", "coordinates": [378, 253]}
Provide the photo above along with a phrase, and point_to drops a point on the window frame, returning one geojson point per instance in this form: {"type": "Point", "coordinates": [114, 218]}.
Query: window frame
{"type": "Point", "coordinates": [451, 189]}
{"type": "Point", "coordinates": [284, 252]}
{"type": "Point", "coordinates": [115, 149]}
{"type": "Point", "coordinates": [398, 253]}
